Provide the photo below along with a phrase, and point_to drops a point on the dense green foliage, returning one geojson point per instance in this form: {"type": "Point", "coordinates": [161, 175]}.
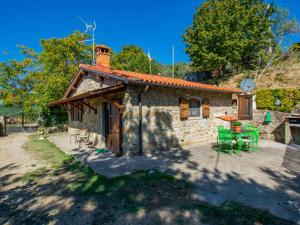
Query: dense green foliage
{"type": "Point", "coordinates": [57, 64]}
{"type": "Point", "coordinates": [133, 58]}
{"type": "Point", "coordinates": [229, 32]}
{"type": "Point", "coordinates": [11, 110]}
{"type": "Point", "coordinates": [30, 84]}
{"type": "Point", "coordinates": [229, 36]}
{"type": "Point", "coordinates": [265, 99]}
{"type": "Point", "coordinates": [40, 78]}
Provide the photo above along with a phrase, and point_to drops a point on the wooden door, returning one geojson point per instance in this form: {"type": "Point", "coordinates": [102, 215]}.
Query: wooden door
{"type": "Point", "coordinates": [113, 133]}
{"type": "Point", "coordinates": [245, 107]}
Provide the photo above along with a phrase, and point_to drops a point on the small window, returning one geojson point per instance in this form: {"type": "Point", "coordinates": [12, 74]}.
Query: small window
{"type": "Point", "coordinates": [194, 108]}
{"type": "Point", "coordinates": [76, 112]}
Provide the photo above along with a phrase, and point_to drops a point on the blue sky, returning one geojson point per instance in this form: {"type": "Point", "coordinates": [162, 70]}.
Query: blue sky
{"type": "Point", "coordinates": [155, 25]}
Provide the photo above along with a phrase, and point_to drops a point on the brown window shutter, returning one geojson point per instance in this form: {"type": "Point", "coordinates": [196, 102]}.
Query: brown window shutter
{"type": "Point", "coordinates": [205, 108]}
{"type": "Point", "coordinates": [184, 108]}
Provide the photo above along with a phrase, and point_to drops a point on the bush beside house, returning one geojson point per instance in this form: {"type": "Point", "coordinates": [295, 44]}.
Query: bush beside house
{"type": "Point", "coordinates": [265, 99]}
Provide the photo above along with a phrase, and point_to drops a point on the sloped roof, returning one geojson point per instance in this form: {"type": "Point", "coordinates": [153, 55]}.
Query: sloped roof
{"type": "Point", "coordinates": [89, 94]}
{"type": "Point", "coordinates": [133, 77]}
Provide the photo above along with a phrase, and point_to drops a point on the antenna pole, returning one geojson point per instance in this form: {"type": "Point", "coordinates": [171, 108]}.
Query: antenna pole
{"type": "Point", "coordinates": [173, 66]}
{"type": "Point", "coordinates": [149, 58]}
{"type": "Point", "coordinates": [89, 27]}
{"type": "Point", "coordinates": [94, 63]}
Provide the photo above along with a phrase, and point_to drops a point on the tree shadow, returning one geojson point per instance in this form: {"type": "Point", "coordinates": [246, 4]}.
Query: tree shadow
{"type": "Point", "coordinates": [74, 194]}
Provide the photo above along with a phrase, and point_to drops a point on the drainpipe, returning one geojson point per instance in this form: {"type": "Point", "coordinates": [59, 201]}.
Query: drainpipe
{"type": "Point", "coordinates": [141, 119]}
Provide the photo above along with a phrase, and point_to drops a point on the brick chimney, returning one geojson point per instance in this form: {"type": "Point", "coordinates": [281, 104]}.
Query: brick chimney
{"type": "Point", "coordinates": [102, 56]}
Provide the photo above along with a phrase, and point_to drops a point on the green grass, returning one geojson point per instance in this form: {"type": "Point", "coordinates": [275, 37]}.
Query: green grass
{"type": "Point", "coordinates": [45, 150]}
{"type": "Point", "coordinates": [32, 175]}
{"type": "Point", "coordinates": [141, 190]}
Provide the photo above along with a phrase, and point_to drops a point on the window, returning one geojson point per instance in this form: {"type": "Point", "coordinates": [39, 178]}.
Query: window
{"type": "Point", "coordinates": [194, 108]}
{"type": "Point", "coordinates": [76, 111]}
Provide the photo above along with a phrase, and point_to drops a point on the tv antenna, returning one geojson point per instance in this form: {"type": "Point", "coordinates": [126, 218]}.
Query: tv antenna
{"type": "Point", "coordinates": [90, 29]}
{"type": "Point", "coordinates": [247, 85]}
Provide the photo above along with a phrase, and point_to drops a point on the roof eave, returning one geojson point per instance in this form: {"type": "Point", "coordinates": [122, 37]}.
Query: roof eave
{"type": "Point", "coordinates": [87, 95]}
{"type": "Point", "coordinates": [123, 79]}
{"type": "Point", "coordinates": [184, 87]}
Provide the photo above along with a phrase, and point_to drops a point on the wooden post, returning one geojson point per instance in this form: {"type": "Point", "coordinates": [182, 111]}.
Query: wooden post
{"type": "Point", "coordinates": [22, 120]}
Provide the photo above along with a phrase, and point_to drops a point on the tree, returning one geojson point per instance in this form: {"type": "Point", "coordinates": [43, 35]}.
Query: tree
{"type": "Point", "coordinates": [16, 81]}
{"type": "Point", "coordinates": [57, 64]}
{"type": "Point", "coordinates": [40, 78]}
{"type": "Point", "coordinates": [281, 27]}
{"type": "Point", "coordinates": [229, 32]}
{"type": "Point", "coordinates": [133, 58]}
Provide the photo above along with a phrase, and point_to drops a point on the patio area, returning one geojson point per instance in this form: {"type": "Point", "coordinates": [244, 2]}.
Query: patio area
{"type": "Point", "coordinates": [268, 178]}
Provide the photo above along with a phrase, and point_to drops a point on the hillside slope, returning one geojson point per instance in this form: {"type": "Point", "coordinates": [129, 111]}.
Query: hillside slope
{"type": "Point", "coordinates": [285, 75]}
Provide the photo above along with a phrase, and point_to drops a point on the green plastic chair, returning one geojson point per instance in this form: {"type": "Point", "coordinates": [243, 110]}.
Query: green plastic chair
{"type": "Point", "coordinates": [225, 139]}
{"type": "Point", "coordinates": [220, 128]}
{"type": "Point", "coordinates": [248, 141]}
{"type": "Point", "coordinates": [256, 132]}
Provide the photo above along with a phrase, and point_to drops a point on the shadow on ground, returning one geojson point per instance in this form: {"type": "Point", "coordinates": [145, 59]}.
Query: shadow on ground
{"type": "Point", "coordinates": [74, 194]}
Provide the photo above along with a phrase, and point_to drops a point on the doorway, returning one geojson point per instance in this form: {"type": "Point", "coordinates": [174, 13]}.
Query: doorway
{"type": "Point", "coordinates": [113, 122]}
{"type": "Point", "coordinates": [245, 107]}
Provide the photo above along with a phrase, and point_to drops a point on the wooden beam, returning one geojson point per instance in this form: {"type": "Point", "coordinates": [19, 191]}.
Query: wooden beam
{"type": "Point", "coordinates": [91, 107]}
{"type": "Point", "coordinates": [90, 94]}
{"type": "Point", "coordinates": [76, 106]}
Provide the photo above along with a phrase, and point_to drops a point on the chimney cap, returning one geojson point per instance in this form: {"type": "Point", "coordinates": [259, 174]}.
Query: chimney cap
{"type": "Point", "coordinates": [102, 46]}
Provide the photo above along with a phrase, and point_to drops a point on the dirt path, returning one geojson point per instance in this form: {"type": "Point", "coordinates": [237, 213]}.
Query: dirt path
{"type": "Point", "coordinates": [14, 159]}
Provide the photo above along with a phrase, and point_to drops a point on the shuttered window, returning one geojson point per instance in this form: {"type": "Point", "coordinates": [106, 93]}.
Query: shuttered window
{"type": "Point", "coordinates": [205, 108]}
{"type": "Point", "coordinates": [184, 108]}
{"type": "Point", "coordinates": [194, 108]}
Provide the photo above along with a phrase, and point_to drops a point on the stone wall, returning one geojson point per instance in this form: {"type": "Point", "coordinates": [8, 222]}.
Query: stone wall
{"type": "Point", "coordinates": [275, 130]}
{"type": "Point", "coordinates": [91, 121]}
{"type": "Point", "coordinates": [92, 82]}
{"type": "Point", "coordinates": [162, 127]}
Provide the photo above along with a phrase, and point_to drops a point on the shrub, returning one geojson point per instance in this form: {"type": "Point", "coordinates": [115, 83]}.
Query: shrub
{"type": "Point", "coordinates": [265, 99]}
{"type": "Point", "coordinates": [237, 123]}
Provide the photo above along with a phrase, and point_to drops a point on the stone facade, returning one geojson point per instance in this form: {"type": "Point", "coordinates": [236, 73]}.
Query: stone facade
{"type": "Point", "coordinates": [93, 82]}
{"type": "Point", "coordinates": [161, 124]}
{"type": "Point", "coordinates": [162, 127]}
{"type": "Point", "coordinates": [275, 130]}
{"type": "Point", "coordinates": [91, 121]}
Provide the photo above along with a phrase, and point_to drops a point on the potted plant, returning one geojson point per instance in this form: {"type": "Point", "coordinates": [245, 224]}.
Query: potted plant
{"type": "Point", "coordinates": [237, 126]}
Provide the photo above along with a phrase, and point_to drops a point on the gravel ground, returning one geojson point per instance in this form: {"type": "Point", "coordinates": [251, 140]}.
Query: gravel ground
{"type": "Point", "coordinates": [14, 160]}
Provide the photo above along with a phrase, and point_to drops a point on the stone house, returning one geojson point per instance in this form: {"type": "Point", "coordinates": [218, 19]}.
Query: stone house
{"type": "Point", "coordinates": [133, 113]}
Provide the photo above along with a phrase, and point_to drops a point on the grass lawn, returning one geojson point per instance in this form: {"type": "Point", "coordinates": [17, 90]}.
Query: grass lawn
{"type": "Point", "coordinates": [145, 197]}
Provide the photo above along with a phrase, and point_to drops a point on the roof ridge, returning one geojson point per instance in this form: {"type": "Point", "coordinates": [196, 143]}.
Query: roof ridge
{"type": "Point", "coordinates": [158, 79]}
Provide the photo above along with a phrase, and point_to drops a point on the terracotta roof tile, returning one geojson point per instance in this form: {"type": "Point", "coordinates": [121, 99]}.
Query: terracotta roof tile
{"type": "Point", "coordinates": [156, 79]}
